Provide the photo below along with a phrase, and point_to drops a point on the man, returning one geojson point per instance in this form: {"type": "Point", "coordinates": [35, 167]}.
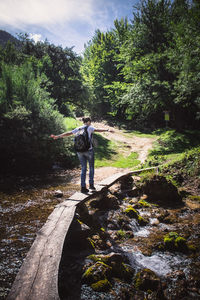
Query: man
{"type": "Point", "coordinates": [87, 155]}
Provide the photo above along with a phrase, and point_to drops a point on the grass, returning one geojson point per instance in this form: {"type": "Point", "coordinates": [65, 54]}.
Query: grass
{"type": "Point", "coordinates": [137, 133]}
{"type": "Point", "coordinates": [107, 153]}
{"type": "Point", "coordinates": [171, 146]}
{"type": "Point", "coordinates": [71, 123]}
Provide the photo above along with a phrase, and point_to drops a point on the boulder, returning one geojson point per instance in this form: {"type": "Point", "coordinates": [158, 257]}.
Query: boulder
{"type": "Point", "coordinates": [146, 280]}
{"type": "Point", "coordinates": [160, 190]}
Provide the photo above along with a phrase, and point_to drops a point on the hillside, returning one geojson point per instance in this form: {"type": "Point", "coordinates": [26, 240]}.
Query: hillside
{"type": "Point", "coordinates": [5, 37]}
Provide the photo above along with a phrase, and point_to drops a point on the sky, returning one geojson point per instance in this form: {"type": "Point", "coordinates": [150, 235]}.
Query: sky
{"type": "Point", "coordinates": [66, 23]}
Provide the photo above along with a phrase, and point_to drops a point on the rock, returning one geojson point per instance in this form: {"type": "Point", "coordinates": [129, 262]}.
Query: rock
{"type": "Point", "coordinates": [159, 189]}
{"type": "Point", "coordinates": [133, 192]}
{"type": "Point", "coordinates": [174, 242]}
{"type": "Point", "coordinates": [147, 280]}
{"type": "Point", "coordinates": [117, 266]}
{"type": "Point", "coordinates": [98, 271]}
{"type": "Point", "coordinates": [107, 258]}
{"type": "Point", "coordinates": [131, 212]}
{"type": "Point", "coordinates": [126, 183]}
{"type": "Point", "coordinates": [80, 234]}
{"type": "Point", "coordinates": [58, 194]}
{"type": "Point", "coordinates": [106, 203]}
{"type": "Point", "coordinates": [101, 285]}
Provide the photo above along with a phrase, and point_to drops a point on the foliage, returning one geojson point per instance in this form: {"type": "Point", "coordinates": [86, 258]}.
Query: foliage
{"type": "Point", "coordinates": [172, 147]}
{"type": "Point", "coordinates": [28, 117]}
{"type": "Point", "coordinates": [132, 73]}
{"type": "Point", "coordinates": [71, 123]}
{"type": "Point", "coordinates": [137, 71]}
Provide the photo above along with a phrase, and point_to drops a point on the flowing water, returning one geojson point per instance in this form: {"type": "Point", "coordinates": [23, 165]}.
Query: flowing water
{"type": "Point", "coordinates": [25, 205]}
{"type": "Point", "coordinates": [160, 263]}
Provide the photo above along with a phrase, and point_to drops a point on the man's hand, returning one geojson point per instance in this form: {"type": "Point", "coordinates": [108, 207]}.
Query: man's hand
{"type": "Point", "coordinates": [111, 130]}
{"type": "Point", "coordinates": [55, 137]}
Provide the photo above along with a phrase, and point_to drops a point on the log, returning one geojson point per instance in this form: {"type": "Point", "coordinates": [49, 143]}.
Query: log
{"type": "Point", "coordinates": [38, 276]}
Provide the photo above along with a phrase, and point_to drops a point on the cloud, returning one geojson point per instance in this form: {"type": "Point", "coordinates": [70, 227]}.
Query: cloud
{"type": "Point", "coordinates": [43, 12]}
{"type": "Point", "coordinates": [36, 37]}
{"type": "Point", "coordinates": [62, 22]}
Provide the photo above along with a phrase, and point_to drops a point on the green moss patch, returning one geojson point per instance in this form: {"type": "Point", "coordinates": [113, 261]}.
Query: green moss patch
{"type": "Point", "coordinates": [147, 280]}
{"type": "Point", "coordinates": [101, 285]}
{"type": "Point", "coordinates": [131, 212]}
{"type": "Point", "coordinates": [174, 242]}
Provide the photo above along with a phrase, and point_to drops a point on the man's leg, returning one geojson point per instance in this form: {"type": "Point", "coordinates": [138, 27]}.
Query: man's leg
{"type": "Point", "coordinates": [83, 161]}
{"type": "Point", "coordinates": [91, 167]}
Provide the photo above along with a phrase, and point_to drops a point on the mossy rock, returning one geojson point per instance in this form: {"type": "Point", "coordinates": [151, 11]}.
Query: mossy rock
{"type": "Point", "coordinates": [142, 221]}
{"type": "Point", "coordinates": [117, 267]}
{"type": "Point", "coordinates": [174, 242]}
{"type": "Point", "coordinates": [194, 198]}
{"type": "Point", "coordinates": [160, 190]}
{"type": "Point", "coordinates": [131, 212]}
{"type": "Point", "coordinates": [106, 202]}
{"type": "Point", "coordinates": [101, 285]}
{"type": "Point", "coordinates": [143, 203]}
{"type": "Point", "coordinates": [147, 280]}
{"type": "Point", "coordinates": [123, 271]}
{"type": "Point", "coordinates": [107, 259]}
{"type": "Point", "coordinates": [123, 234]}
{"type": "Point", "coordinates": [98, 271]}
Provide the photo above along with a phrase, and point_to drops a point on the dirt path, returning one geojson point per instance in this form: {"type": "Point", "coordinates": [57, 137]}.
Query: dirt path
{"type": "Point", "coordinates": [127, 144]}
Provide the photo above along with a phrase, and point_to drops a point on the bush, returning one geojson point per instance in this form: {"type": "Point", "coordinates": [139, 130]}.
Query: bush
{"type": "Point", "coordinates": [28, 118]}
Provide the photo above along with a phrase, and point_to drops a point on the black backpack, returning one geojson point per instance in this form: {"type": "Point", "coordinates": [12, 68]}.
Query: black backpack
{"type": "Point", "coordinates": [81, 141]}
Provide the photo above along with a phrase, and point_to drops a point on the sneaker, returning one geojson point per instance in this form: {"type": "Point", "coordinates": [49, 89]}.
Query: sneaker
{"type": "Point", "coordinates": [92, 188]}
{"type": "Point", "coordinates": [84, 190]}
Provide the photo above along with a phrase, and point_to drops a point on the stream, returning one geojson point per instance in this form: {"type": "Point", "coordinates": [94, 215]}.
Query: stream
{"type": "Point", "coordinates": [101, 227]}
{"type": "Point", "coordinates": [25, 204]}
{"type": "Point", "coordinates": [87, 270]}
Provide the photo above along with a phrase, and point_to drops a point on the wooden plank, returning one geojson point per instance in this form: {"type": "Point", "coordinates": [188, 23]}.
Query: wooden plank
{"type": "Point", "coordinates": [118, 176]}
{"type": "Point", "coordinates": [114, 178]}
{"type": "Point", "coordinates": [38, 276]}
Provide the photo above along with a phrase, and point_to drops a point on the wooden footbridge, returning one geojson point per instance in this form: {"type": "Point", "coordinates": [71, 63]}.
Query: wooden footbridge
{"type": "Point", "coordinates": [38, 276]}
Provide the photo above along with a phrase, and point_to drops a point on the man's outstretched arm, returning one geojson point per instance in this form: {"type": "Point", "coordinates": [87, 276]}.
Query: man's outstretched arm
{"type": "Point", "coordinates": [65, 134]}
{"type": "Point", "coordinates": [103, 130]}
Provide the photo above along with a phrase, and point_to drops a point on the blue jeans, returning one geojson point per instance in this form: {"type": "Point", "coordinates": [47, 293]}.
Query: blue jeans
{"type": "Point", "coordinates": [84, 157]}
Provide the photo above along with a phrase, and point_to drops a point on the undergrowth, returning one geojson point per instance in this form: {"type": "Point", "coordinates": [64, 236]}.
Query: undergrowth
{"type": "Point", "coordinates": [172, 146]}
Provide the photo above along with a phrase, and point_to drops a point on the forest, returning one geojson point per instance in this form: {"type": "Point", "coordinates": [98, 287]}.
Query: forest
{"type": "Point", "coordinates": [131, 75]}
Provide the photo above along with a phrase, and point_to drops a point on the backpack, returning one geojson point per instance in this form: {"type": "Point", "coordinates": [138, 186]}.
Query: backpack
{"type": "Point", "coordinates": [81, 141]}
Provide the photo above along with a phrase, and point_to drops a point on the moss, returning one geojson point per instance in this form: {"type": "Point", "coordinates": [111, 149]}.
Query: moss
{"type": "Point", "coordinates": [121, 234]}
{"type": "Point", "coordinates": [194, 198]}
{"type": "Point", "coordinates": [98, 271]}
{"type": "Point", "coordinates": [138, 281]}
{"type": "Point", "coordinates": [80, 222]}
{"type": "Point", "coordinates": [172, 241]}
{"type": "Point", "coordinates": [110, 267]}
{"type": "Point", "coordinates": [131, 212]}
{"type": "Point", "coordinates": [147, 280]}
{"type": "Point", "coordinates": [192, 248]}
{"type": "Point", "coordinates": [144, 203]}
{"type": "Point", "coordinates": [101, 285]}
{"type": "Point", "coordinates": [180, 242]}
{"type": "Point", "coordinates": [91, 242]}
{"type": "Point", "coordinates": [142, 221]}
{"type": "Point", "coordinates": [94, 257]}
{"type": "Point", "coordinates": [123, 272]}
